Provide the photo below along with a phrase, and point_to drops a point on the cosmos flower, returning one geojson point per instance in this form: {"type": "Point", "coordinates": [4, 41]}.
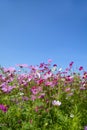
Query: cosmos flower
{"type": "Point", "coordinates": [35, 90]}
{"type": "Point", "coordinates": [49, 60]}
{"type": "Point", "coordinates": [81, 68]}
{"type": "Point", "coordinates": [85, 128]}
{"type": "Point", "coordinates": [10, 70]}
{"type": "Point", "coordinates": [3, 108]}
{"type": "Point", "coordinates": [56, 103]}
{"type": "Point", "coordinates": [7, 88]}
{"type": "Point", "coordinates": [22, 65]}
{"type": "Point", "coordinates": [70, 65]}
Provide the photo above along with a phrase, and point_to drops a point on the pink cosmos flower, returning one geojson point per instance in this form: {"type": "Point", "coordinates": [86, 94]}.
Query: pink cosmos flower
{"type": "Point", "coordinates": [10, 70]}
{"type": "Point", "coordinates": [69, 78]}
{"type": "Point", "coordinates": [35, 90]}
{"type": "Point", "coordinates": [85, 128]}
{"type": "Point", "coordinates": [39, 82]}
{"type": "Point", "coordinates": [67, 69]}
{"type": "Point", "coordinates": [85, 75]}
{"type": "Point", "coordinates": [48, 83]}
{"type": "Point", "coordinates": [67, 89]}
{"type": "Point", "coordinates": [49, 60]}
{"type": "Point", "coordinates": [33, 97]}
{"type": "Point", "coordinates": [47, 75]}
{"type": "Point", "coordinates": [22, 65]}
{"type": "Point", "coordinates": [42, 95]}
{"type": "Point", "coordinates": [36, 109]}
{"type": "Point", "coordinates": [41, 65]}
{"type": "Point", "coordinates": [25, 98]}
{"type": "Point", "coordinates": [82, 88]}
{"type": "Point", "coordinates": [7, 88]}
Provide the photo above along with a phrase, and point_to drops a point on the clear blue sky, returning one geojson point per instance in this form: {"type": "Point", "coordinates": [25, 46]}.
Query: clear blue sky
{"type": "Point", "coordinates": [32, 31]}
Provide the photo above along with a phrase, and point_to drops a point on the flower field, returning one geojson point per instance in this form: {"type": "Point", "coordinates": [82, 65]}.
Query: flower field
{"type": "Point", "coordinates": [43, 97]}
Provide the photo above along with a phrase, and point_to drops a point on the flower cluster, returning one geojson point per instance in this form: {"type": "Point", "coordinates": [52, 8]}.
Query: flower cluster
{"type": "Point", "coordinates": [44, 88]}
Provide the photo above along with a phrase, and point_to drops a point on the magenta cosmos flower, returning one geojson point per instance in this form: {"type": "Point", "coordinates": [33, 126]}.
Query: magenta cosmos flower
{"type": "Point", "coordinates": [71, 64]}
{"type": "Point", "coordinates": [81, 68]}
{"type": "Point", "coordinates": [3, 108]}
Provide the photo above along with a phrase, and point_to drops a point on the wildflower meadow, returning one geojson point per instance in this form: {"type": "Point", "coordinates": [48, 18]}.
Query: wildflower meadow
{"type": "Point", "coordinates": [43, 97]}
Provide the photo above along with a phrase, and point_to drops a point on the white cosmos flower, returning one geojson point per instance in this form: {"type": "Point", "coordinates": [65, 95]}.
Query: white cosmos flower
{"type": "Point", "coordinates": [56, 103]}
{"type": "Point", "coordinates": [60, 69]}
{"type": "Point", "coordinates": [38, 74]}
{"type": "Point", "coordinates": [54, 69]}
{"type": "Point", "coordinates": [71, 115]}
{"type": "Point", "coordinates": [20, 93]}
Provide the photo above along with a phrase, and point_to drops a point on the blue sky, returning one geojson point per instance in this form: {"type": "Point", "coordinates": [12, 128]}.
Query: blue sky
{"type": "Point", "coordinates": [32, 31]}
